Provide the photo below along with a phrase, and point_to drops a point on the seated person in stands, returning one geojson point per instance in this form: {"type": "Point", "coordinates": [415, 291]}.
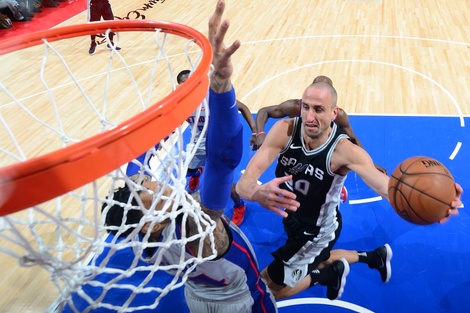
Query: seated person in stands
{"type": "Point", "coordinates": [15, 11]}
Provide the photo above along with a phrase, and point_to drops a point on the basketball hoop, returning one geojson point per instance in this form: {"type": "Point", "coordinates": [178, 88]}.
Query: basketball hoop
{"type": "Point", "coordinates": [72, 160]}
{"type": "Point", "coordinates": [63, 187]}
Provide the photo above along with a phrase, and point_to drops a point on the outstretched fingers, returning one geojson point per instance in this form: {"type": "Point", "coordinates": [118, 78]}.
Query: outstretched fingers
{"type": "Point", "coordinates": [215, 20]}
{"type": "Point", "coordinates": [276, 199]}
{"type": "Point", "coordinates": [233, 47]}
{"type": "Point", "coordinates": [221, 55]}
{"type": "Point", "coordinates": [218, 41]}
{"type": "Point", "coordinates": [283, 202]}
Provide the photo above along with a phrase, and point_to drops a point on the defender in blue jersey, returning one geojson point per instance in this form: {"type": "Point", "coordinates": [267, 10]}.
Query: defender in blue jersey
{"type": "Point", "coordinates": [196, 123]}
{"type": "Point", "coordinates": [232, 281]}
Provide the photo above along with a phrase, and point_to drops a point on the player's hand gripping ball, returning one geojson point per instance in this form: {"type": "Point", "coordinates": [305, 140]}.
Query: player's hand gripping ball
{"type": "Point", "coordinates": [421, 190]}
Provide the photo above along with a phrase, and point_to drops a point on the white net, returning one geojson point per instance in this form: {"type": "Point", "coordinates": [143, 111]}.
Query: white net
{"type": "Point", "coordinates": [65, 100]}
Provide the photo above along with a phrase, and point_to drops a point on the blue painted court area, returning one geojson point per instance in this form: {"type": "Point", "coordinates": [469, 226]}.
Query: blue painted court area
{"type": "Point", "coordinates": [431, 264]}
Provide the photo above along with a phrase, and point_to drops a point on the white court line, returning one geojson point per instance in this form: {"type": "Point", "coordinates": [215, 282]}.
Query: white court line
{"type": "Point", "coordinates": [365, 200]}
{"type": "Point", "coordinates": [335, 303]}
{"type": "Point", "coordinates": [456, 150]}
{"type": "Point", "coordinates": [452, 99]}
{"type": "Point", "coordinates": [359, 36]}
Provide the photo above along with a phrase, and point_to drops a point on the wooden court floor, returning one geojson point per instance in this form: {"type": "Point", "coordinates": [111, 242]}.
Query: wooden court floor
{"type": "Point", "coordinates": [397, 57]}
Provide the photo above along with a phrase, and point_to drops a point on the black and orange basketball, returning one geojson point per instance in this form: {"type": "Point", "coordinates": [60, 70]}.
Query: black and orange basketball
{"type": "Point", "coordinates": [421, 190]}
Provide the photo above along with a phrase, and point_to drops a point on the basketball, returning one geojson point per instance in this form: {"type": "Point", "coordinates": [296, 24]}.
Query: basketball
{"type": "Point", "coordinates": [421, 189]}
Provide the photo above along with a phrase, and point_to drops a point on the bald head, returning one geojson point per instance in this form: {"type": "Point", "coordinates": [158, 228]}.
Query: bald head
{"type": "Point", "coordinates": [328, 87]}
{"type": "Point", "coordinates": [324, 79]}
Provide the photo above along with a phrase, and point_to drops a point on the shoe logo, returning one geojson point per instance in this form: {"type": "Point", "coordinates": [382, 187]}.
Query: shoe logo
{"type": "Point", "coordinates": [337, 285]}
{"type": "Point", "coordinates": [308, 234]}
{"type": "Point", "coordinates": [297, 274]}
{"type": "Point", "coordinates": [295, 147]}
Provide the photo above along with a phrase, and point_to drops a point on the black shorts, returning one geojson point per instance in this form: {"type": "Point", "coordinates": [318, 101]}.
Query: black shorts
{"type": "Point", "coordinates": [301, 253]}
{"type": "Point", "coordinates": [101, 9]}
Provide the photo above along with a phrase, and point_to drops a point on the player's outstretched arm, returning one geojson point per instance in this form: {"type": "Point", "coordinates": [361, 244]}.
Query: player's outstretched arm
{"type": "Point", "coordinates": [224, 133]}
{"type": "Point", "coordinates": [221, 55]}
{"type": "Point", "coordinates": [359, 161]}
{"type": "Point", "coordinates": [246, 113]}
{"type": "Point", "coordinates": [268, 195]}
{"type": "Point", "coordinates": [288, 108]}
{"type": "Point", "coordinates": [342, 120]}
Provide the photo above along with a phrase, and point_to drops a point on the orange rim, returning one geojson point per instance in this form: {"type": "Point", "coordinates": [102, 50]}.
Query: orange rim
{"type": "Point", "coordinates": [40, 179]}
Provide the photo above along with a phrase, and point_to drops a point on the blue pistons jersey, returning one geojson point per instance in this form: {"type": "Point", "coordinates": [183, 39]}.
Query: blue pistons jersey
{"type": "Point", "coordinates": [197, 120]}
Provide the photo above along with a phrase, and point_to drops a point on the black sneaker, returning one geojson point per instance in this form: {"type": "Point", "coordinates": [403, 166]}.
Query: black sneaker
{"type": "Point", "coordinates": [110, 45]}
{"type": "Point", "coordinates": [382, 257]}
{"type": "Point", "coordinates": [92, 48]}
{"type": "Point", "coordinates": [335, 286]}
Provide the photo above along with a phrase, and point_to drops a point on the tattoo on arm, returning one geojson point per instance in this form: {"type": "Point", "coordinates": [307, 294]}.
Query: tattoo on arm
{"type": "Point", "coordinates": [221, 238]}
{"type": "Point", "coordinates": [219, 84]}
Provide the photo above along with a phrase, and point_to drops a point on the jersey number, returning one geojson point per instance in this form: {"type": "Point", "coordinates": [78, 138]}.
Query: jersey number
{"type": "Point", "coordinates": [303, 185]}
